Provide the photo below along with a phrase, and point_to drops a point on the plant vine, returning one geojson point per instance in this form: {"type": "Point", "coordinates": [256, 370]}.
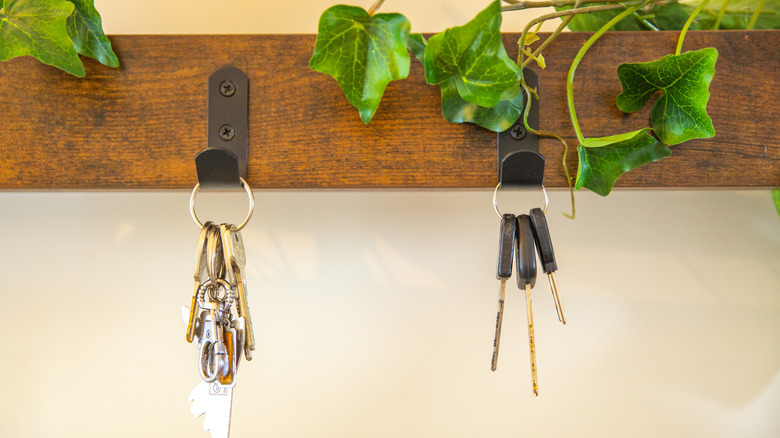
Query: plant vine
{"type": "Point", "coordinates": [362, 51]}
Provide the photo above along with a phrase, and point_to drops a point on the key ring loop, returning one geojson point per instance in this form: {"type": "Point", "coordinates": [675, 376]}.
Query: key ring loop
{"type": "Point", "coordinates": [212, 362]}
{"type": "Point", "coordinates": [495, 200]}
{"type": "Point", "coordinates": [249, 194]}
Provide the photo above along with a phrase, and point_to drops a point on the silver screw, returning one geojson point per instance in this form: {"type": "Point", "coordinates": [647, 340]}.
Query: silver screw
{"type": "Point", "coordinates": [517, 132]}
{"type": "Point", "coordinates": [227, 88]}
{"type": "Point", "coordinates": [226, 132]}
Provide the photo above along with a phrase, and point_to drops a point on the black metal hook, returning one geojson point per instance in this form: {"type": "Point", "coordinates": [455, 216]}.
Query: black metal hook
{"type": "Point", "coordinates": [519, 162]}
{"type": "Point", "coordinates": [224, 162]}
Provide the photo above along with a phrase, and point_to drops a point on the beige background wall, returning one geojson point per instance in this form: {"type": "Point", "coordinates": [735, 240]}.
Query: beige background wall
{"type": "Point", "coordinates": [374, 311]}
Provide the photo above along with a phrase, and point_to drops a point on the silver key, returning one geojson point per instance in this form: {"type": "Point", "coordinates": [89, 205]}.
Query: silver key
{"type": "Point", "coordinates": [200, 268]}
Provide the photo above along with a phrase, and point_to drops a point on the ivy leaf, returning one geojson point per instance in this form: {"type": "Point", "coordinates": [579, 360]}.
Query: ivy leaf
{"type": "Point", "coordinates": [416, 44]}
{"type": "Point", "coordinates": [680, 114]}
{"type": "Point", "coordinates": [86, 30]}
{"type": "Point", "coordinates": [37, 28]}
{"type": "Point", "coordinates": [776, 199]}
{"type": "Point", "coordinates": [474, 57]}
{"type": "Point", "coordinates": [457, 110]}
{"type": "Point", "coordinates": [497, 119]}
{"type": "Point", "coordinates": [603, 160]}
{"type": "Point", "coordinates": [363, 53]}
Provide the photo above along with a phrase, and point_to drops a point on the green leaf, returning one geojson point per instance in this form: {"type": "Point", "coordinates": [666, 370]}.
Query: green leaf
{"type": "Point", "coordinates": [680, 114]}
{"type": "Point", "coordinates": [363, 53]}
{"type": "Point", "coordinates": [474, 57]}
{"type": "Point", "coordinates": [37, 28]}
{"type": "Point", "coordinates": [603, 160]}
{"type": "Point", "coordinates": [86, 30]}
{"type": "Point", "coordinates": [416, 44]}
{"type": "Point", "coordinates": [457, 110]}
{"type": "Point", "coordinates": [498, 118]}
{"type": "Point", "coordinates": [776, 199]}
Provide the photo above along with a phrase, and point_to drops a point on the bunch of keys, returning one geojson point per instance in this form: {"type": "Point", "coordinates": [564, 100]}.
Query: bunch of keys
{"type": "Point", "coordinates": [520, 237]}
{"type": "Point", "coordinates": [219, 323]}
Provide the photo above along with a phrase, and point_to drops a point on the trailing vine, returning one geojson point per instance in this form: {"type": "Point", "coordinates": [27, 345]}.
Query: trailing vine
{"type": "Point", "coordinates": [480, 85]}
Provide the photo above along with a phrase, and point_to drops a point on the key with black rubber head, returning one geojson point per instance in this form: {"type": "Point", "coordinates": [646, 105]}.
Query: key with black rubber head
{"type": "Point", "coordinates": [506, 252]}
{"type": "Point", "coordinates": [525, 255]}
{"type": "Point", "coordinates": [547, 256]}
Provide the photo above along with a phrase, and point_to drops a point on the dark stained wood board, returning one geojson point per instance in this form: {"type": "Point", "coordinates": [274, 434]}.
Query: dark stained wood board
{"type": "Point", "coordinates": [140, 126]}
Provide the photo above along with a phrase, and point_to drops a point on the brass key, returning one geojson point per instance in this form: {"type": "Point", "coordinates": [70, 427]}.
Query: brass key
{"type": "Point", "coordinates": [525, 256]}
{"type": "Point", "coordinates": [233, 245]}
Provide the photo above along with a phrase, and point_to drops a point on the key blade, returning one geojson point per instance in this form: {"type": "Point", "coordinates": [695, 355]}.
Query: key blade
{"type": "Point", "coordinates": [215, 402]}
{"type": "Point", "coordinates": [556, 297]}
{"type": "Point", "coordinates": [531, 340]}
{"type": "Point", "coordinates": [499, 321]}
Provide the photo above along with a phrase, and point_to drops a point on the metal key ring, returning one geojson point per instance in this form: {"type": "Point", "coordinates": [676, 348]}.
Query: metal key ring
{"type": "Point", "coordinates": [212, 363]}
{"type": "Point", "coordinates": [495, 200]}
{"type": "Point", "coordinates": [249, 194]}
{"type": "Point", "coordinates": [211, 284]}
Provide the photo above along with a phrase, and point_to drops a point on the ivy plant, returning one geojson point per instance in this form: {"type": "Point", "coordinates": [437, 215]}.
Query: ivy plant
{"type": "Point", "coordinates": [55, 32]}
{"type": "Point", "coordinates": [364, 50]}
{"type": "Point", "coordinates": [480, 84]}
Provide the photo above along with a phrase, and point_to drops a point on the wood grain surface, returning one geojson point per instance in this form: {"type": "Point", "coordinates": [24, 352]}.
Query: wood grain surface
{"type": "Point", "coordinates": [140, 126]}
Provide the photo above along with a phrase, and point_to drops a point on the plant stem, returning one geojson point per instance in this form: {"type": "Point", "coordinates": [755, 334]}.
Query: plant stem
{"type": "Point", "coordinates": [646, 23]}
{"type": "Point", "coordinates": [688, 24]}
{"type": "Point", "coordinates": [757, 12]}
{"type": "Point", "coordinates": [721, 13]}
{"type": "Point", "coordinates": [578, 58]}
{"type": "Point", "coordinates": [549, 40]}
{"type": "Point", "coordinates": [540, 133]}
{"type": "Point", "coordinates": [517, 5]}
{"type": "Point", "coordinates": [559, 14]}
{"type": "Point", "coordinates": [375, 7]}
{"type": "Point", "coordinates": [617, 3]}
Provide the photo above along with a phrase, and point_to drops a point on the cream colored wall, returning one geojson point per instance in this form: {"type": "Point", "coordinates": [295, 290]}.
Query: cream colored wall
{"type": "Point", "coordinates": [374, 311]}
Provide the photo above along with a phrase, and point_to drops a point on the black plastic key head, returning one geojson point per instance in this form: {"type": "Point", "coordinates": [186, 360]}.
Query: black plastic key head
{"type": "Point", "coordinates": [506, 245]}
{"type": "Point", "coordinates": [525, 252]}
{"type": "Point", "coordinates": [543, 241]}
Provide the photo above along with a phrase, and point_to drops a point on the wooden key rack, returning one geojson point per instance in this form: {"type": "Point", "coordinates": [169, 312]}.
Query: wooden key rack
{"type": "Point", "coordinates": [140, 126]}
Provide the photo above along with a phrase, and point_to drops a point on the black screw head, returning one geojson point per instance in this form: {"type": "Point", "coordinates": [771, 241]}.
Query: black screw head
{"type": "Point", "coordinates": [227, 88]}
{"type": "Point", "coordinates": [226, 132]}
{"type": "Point", "coordinates": [518, 132]}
